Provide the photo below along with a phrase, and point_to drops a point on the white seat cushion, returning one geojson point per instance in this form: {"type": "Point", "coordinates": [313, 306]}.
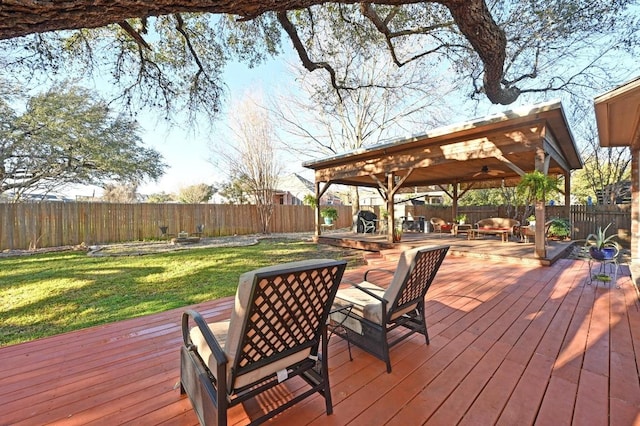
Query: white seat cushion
{"type": "Point", "coordinates": [364, 305]}
{"type": "Point", "coordinates": [368, 307]}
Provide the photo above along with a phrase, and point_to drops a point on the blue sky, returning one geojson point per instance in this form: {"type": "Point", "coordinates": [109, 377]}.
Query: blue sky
{"type": "Point", "coordinates": [187, 152]}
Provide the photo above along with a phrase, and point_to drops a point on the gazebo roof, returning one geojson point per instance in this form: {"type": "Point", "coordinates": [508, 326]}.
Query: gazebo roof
{"type": "Point", "coordinates": [486, 151]}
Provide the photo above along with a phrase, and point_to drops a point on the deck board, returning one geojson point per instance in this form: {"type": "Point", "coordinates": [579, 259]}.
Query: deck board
{"type": "Point", "coordinates": [510, 344]}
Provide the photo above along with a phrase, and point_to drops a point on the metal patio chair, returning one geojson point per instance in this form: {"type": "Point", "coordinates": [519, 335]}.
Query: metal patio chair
{"type": "Point", "coordinates": [276, 330]}
{"type": "Point", "coordinates": [368, 226]}
{"type": "Point", "coordinates": [377, 311]}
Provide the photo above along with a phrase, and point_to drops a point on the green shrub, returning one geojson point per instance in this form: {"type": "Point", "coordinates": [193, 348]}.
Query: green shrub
{"type": "Point", "coordinates": [560, 228]}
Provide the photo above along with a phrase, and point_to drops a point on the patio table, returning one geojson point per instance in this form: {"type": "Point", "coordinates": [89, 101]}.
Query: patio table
{"type": "Point", "coordinates": [504, 233]}
{"type": "Point", "coordinates": [461, 228]}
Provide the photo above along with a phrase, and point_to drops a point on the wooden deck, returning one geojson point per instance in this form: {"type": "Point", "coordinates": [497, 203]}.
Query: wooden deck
{"type": "Point", "coordinates": [510, 344]}
{"type": "Point", "coordinates": [488, 247]}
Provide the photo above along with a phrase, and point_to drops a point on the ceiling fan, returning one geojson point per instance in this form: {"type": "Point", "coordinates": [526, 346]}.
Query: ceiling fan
{"type": "Point", "coordinates": [485, 171]}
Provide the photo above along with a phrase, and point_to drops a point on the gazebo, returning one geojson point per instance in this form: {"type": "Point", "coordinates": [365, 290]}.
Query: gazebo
{"type": "Point", "coordinates": [487, 152]}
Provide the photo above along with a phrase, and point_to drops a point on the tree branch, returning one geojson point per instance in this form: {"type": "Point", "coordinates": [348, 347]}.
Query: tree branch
{"type": "Point", "coordinates": [134, 34]}
{"type": "Point", "coordinates": [381, 25]}
{"type": "Point", "coordinates": [290, 29]}
{"type": "Point", "coordinates": [22, 17]}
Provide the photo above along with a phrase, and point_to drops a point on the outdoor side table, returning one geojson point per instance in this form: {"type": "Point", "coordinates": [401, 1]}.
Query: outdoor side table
{"type": "Point", "coordinates": [334, 326]}
{"type": "Point", "coordinates": [326, 226]}
{"type": "Point", "coordinates": [463, 228]}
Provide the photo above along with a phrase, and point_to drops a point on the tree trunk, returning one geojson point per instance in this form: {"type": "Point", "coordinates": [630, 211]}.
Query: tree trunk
{"type": "Point", "coordinates": [476, 23]}
{"type": "Point", "coordinates": [355, 200]}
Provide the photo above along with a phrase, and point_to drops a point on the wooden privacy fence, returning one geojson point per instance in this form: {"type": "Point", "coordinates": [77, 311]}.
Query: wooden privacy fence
{"type": "Point", "coordinates": [51, 224]}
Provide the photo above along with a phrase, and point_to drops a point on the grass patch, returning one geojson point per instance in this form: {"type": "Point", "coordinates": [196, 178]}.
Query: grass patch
{"type": "Point", "coordinates": [47, 294]}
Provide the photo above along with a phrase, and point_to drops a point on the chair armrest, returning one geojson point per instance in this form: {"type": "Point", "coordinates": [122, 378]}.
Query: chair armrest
{"type": "Point", "coordinates": [212, 342]}
{"type": "Point", "coordinates": [377, 270]}
{"type": "Point", "coordinates": [370, 293]}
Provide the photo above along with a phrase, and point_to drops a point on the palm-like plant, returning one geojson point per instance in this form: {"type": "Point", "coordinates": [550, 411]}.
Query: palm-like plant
{"type": "Point", "coordinates": [602, 246]}
{"type": "Point", "coordinates": [600, 239]}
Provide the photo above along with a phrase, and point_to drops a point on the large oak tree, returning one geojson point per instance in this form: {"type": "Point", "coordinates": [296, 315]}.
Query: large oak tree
{"type": "Point", "coordinates": [67, 136]}
{"type": "Point", "coordinates": [164, 51]}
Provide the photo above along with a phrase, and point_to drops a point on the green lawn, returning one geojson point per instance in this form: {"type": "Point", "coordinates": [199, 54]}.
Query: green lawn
{"type": "Point", "coordinates": [47, 294]}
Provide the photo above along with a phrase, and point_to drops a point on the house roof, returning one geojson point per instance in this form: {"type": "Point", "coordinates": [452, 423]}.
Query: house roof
{"type": "Point", "coordinates": [296, 183]}
{"type": "Point", "coordinates": [618, 115]}
{"type": "Point", "coordinates": [499, 147]}
{"type": "Point", "coordinates": [298, 186]}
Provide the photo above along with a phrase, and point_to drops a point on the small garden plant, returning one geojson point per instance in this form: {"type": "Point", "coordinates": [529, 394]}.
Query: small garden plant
{"type": "Point", "coordinates": [330, 214]}
{"type": "Point", "coordinates": [461, 218]}
{"type": "Point", "coordinates": [559, 229]}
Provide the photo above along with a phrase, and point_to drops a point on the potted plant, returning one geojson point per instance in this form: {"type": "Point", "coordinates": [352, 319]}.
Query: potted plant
{"type": "Point", "coordinates": [329, 214]}
{"type": "Point", "coordinates": [601, 245]}
{"type": "Point", "coordinates": [461, 219]}
{"type": "Point", "coordinates": [397, 234]}
{"type": "Point", "coordinates": [559, 229]}
{"type": "Point", "coordinates": [309, 200]}
{"type": "Point", "coordinates": [536, 186]}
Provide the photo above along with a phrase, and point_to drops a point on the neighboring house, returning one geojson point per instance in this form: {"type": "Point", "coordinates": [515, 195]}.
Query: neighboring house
{"type": "Point", "coordinates": [292, 189]}
{"type": "Point", "coordinates": [370, 197]}
{"type": "Point", "coordinates": [26, 198]}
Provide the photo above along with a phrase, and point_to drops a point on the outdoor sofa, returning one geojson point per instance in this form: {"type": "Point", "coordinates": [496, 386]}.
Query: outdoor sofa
{"type": "Point", "coordinates": [497, 224]}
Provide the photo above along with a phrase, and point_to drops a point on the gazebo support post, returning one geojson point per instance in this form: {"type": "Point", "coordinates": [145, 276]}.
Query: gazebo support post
{"type": "Point", "coordinates": [454, 202]}
{"type": "Point", "coordinates": [567, 199]}
{"type": "Point", "coordinates": [319, 193]}
{"type": "Point", "coordinates": [390, 208]}
{"type": "Point", "coordinates": [541, 164]}
{"type": "Point", "coordinates": [317, 211]}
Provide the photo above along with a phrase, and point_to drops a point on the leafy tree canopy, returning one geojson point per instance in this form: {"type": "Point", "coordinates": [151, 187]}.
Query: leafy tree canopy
{"type": "Point", "coordinates": [236, 190]}
{"type": "Point", "coordinates": [169, 53]}
{"type": "Point", "coordinates": [160, 197]}
{"type": "Point", "coordinates": [120, 193]}
{"type": "Point", "coordinates": [67, 136]}
{"type": "Point", "coordinates": [194, 194]}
